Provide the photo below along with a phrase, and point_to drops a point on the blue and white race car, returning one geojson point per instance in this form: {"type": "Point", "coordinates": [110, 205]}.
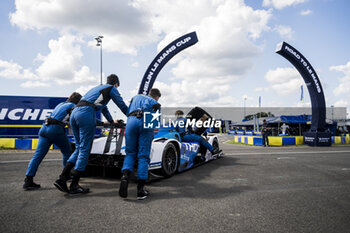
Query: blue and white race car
{"type": "Point", "coordinates": [168, 153]}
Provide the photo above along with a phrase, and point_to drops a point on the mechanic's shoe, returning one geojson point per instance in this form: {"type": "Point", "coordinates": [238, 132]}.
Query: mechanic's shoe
{"type": "Point", "coordinates": [65, 175]}
{"type": "Point", "coordinates": [61, 185]}
{"type": "Point", "coordinates": [29, 184]}
{"type": "Point", "coordinates": [216, 151]}
{"type": "Point", "coordinates": [142, 194]}
{"type": "Point", "coordinates": [74, 187]}
{"type": "Point", "coordinates": [124, 182]}
{"type": "Point", "coordinates": [123, 189]}
{"type": "Point", "coordinates": [77, 189]}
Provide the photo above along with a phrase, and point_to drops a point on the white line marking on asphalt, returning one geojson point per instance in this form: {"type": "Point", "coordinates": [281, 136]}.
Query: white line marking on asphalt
{"type": "Point", "coordinates": [240, 179]}
{"type": "Point", "coordinates": [345, 169]}
{"type": "Point", "coordinates": [286, 158]}
{"type": "Point", "coordinates": [289, 152]}
{"type": "Point", "coordinates": [253, 153]}
{"type": "Point", "coordinates": [225, 142]}
{"type": "Point", "coordinates": [26, 161]}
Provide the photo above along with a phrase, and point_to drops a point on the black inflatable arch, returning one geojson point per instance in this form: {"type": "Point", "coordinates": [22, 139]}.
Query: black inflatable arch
{"type": "Point", "coordinates": [163, 57]}
{"type": "Point", "coordinates": [317, 134]}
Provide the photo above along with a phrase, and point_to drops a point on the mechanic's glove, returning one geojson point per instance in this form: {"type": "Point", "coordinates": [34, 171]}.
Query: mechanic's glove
{"type": "Point", "coordinates": [99, 123]}
{"type": "Point", "coordinates": [120, 121]}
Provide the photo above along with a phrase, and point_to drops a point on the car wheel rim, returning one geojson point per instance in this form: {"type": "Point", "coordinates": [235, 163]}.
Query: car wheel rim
{"type": "Point", "coordinates": [170, 161]}
{"type": "Point", "coordinates": [215, 145]}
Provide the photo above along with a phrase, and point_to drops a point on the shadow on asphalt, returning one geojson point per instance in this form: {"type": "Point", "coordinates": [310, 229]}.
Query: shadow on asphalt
{"type": "Point", "coordinates": [198, 182]}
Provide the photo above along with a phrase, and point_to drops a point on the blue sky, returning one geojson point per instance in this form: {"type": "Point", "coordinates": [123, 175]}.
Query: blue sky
{"type": "Point", "coordinates": [47, 48]}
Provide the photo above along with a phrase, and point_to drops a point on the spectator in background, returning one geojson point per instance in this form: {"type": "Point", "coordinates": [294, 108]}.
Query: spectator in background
{"type": "Point", "coordinates": [265, 133]}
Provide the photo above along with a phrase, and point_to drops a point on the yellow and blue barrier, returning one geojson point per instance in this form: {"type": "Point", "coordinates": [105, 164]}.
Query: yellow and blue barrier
{"type": "Point", "coordinates": [284, 140]}
{"type": "Point", "coordinates": [21, 143]}
{"type": "Point", "coordinates": [341, 139]}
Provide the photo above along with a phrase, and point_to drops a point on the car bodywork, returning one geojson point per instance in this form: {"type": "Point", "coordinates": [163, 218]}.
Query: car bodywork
{"type": "Point", "coordinates": [168, 153]}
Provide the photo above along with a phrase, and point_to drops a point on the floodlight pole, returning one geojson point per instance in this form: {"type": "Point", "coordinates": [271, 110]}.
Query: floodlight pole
{"type": "Point", "coordinates": [99, 43]}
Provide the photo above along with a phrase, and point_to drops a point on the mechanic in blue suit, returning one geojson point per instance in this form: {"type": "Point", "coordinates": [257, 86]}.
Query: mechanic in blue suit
{"type": "Point", "coordinates": [52, 132]}
{"type": "Point", "coordinates": [138, 141]}
{"type": "Point", "coordinates": [83, 122]}
{"type": "Point", "coordinates": [187, 135]}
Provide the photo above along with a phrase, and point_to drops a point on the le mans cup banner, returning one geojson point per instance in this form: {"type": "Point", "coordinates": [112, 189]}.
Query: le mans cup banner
{"type": "Point", "coordinates": [163, 57]}
{"type": "Point", "coordinates": [312, 82]}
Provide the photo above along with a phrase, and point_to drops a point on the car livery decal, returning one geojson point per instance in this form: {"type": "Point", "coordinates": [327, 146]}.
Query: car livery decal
{"type": "Point", "coordinates": [188, 152]}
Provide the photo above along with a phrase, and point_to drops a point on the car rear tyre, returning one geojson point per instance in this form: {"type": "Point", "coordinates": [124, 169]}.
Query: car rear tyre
{"type": "Point", "coordinates": [170, 160]}
{"type": "Point", "coordinates": [215, 144]}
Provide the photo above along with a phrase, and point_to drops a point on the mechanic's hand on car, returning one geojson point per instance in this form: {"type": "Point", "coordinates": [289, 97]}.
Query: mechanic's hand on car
{"type": "Point", "coordinates": [107, 123]}
{"type": "Point", "coordinates": [120, 121]}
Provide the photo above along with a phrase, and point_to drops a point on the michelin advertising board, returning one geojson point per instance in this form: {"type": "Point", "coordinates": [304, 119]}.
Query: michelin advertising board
{"type": "Point", "coordinates": [22, 116]}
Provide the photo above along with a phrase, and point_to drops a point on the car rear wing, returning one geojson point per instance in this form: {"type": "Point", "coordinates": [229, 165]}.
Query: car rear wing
{"type": "Point", "coordinates": [197, 113]}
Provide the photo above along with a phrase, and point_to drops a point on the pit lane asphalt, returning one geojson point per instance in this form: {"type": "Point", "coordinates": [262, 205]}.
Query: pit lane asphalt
{"type": "Point", "coordinates": [251, 189]}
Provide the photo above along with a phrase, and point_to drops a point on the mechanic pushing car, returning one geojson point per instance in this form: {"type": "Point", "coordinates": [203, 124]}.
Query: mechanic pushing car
{"type": "Point", "coordinates": [138, 142]}
{"type": "Point", "coordinates": [52, 132]}
{"type": "Point", "coordinates": [187, 134]}
{"type": "Point", "coordinates": [83, 122]}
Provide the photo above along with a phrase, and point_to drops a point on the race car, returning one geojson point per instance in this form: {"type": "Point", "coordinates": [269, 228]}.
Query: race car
{"type": "Point", "coordinates": [168, 153]}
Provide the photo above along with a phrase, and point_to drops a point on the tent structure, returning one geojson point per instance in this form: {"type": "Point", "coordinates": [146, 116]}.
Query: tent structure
{"type": "Point", "coordinates": [298, 119]}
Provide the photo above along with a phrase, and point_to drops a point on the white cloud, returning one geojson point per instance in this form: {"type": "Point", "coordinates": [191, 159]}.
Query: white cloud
{"type": "Point", "coordinates": [124, 25]}
{"type": "Point", "coordinates": [12, 70]}
{"type": "Point", "coordinates": [226, 30]}
{"type": "Point", "coordinates": [285, 32]}
{"type": "Point", "coordinates": [344, 82]}
{"type": "Point", "coordinates": [247, 97]}
{"type": "Point", "coordinates": [305, 12]}
{"type": "Point", "coordinates": [83, 89]}
{"type": "Point", "coordinates": [195, 92]}
{"type": "Point", "coordinates": [303, 104]}
{"type": "Point", "coordinates": [280, 4]}
{"type": "Point", "coordinates": [260, 89]}
{"type": "Point", "coordinates": [135, 64]}
{"type": "Point", "coordinates": [61, 66]}
{"type": "Point", "coordinates": [342, 103]}
{"type": "Point", "coordinates": [31, 84]}
{"type": "Point", "coordinates": [284, 80]}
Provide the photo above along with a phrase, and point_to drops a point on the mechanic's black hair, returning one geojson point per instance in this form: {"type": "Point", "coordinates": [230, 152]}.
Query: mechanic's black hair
{"type": "Point", "coordinates": [74, 97]}
{"type": "Point", "coordinates": [154, 93]}
{"type": "Point", "coordinates": [179, 113]}
{"type": "Point", "coordinates": [264, 120]}
{"type": "Point", "coordinates": [113, 79]}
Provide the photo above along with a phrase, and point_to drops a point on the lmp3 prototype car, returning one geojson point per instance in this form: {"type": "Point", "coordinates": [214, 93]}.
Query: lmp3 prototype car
{"type": "Point", "coordinates": [168, 153]}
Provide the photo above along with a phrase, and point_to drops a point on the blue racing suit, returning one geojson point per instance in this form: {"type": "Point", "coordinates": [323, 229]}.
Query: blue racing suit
{"type": "Point", "coordinates": [138, 140]}
{"type": "Point", "coordinates": [83, 120]}
{"type": "Point", "coordinates": [187, 136]}
{"type": "Point", "coordinates": [52, 134]}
